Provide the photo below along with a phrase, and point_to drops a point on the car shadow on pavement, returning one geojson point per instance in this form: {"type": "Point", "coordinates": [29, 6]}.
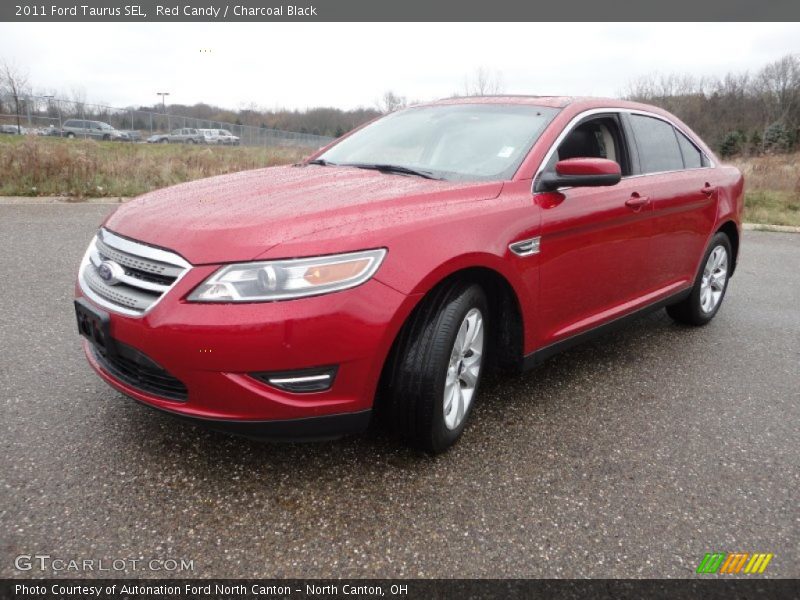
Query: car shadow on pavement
{"type": "Point", "coordinates": [504, 398]}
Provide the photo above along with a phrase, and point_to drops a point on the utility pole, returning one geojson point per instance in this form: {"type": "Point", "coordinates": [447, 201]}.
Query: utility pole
{"type": "Point", "coordinates": [164, 105]}
{"type": "Point", "coordinates": [51, 99]}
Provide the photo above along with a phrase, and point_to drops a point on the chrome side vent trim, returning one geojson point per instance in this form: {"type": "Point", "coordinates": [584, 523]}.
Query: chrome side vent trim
{"type": "Point", "coordinates": [527, 247]}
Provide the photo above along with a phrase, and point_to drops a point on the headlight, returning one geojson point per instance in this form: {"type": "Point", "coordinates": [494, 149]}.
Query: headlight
{"type": "Point", "coordinates": [285, 279]}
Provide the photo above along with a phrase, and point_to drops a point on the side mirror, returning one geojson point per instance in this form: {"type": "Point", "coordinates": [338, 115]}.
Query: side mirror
{"type": "Point", "coordinates": [581, 172]}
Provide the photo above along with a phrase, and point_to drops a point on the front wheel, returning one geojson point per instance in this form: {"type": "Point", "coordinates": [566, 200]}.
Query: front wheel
{"type": "Point", "coordinates": [710, 285]}
{"type": "Point", "coordinates": [437, 365]}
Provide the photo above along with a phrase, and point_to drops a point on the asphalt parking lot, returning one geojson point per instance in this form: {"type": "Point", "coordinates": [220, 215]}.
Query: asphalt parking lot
{"type": "Point", "coordinates": [631, 456]}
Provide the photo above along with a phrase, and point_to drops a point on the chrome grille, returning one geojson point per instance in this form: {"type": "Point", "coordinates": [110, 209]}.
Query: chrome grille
{"type": "Point", "coordinates": [127, 276]}
{"type": "Point", "coordinates": [134, 262]}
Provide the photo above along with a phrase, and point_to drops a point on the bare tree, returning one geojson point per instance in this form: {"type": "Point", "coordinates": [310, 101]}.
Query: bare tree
{"type": "Point", "coordinates": [483, 82]}
{"type": "Point", "coordinates": [779, 83]}
{"type": "Point", "coordinates": [659, 85]}
{"type": "Point", "coordinates": [78, 96]}
{"type": "Point", "coordinates": [736, 112]}
{"type": "Point", "coordinates": [391, 102]}
{"type": "Point", "coordinates": [14, 83]}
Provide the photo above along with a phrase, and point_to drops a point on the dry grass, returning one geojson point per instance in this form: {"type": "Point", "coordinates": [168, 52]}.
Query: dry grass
{"type": "Point", "coordinates": [772, 189]}
{"type": "Point", "coordinates": [81, 169]}
{"type": "Point", "coordinates": [32, 166]}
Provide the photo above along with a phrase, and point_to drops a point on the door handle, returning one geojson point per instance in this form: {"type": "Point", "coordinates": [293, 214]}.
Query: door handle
{"type": "Point", "coordinates": [708, 190]}
{"type": "Point", "coordinates": [636, 201]}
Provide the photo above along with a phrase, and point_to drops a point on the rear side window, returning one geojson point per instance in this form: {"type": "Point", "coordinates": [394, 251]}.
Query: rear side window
{"type": "Point", "coordinates": [692, 157]}
{"type": "Point", "coordinates": [658, 145]}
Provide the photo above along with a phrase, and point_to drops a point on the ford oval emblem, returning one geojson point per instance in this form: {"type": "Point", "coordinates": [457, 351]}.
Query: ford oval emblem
{"type": "Point", "coordinates": [110, 272]}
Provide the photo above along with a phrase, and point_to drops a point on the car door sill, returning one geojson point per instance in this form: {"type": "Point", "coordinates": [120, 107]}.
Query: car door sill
{"type": "Point", "coordinates": [537, 357]}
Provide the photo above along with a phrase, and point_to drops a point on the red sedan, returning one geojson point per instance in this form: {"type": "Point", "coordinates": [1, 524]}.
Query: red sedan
{"type": "Point", "coordinates": [383, 276]}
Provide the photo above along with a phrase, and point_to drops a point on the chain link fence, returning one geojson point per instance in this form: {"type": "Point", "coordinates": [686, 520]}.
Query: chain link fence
{"type": "Point", "coordinates": [46, 115]}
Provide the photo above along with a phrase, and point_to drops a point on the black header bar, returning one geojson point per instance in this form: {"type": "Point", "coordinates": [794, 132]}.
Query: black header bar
{"type": "Point", "coordinates": [141, 11]}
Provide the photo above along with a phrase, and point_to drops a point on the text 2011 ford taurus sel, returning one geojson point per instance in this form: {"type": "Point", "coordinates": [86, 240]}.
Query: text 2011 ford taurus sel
{"type": "Point", "coordinates": [383, 276]}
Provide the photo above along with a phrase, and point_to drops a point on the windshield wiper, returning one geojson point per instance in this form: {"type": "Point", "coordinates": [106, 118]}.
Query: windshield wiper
{"type": "Point", "coordinates": [321, 161]}
{"type": "Point", "coordinates": [392, 169]}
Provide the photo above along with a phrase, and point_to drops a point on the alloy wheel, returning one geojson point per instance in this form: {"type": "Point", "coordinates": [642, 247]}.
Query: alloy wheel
{"type": "Point", "coordinates": [715, 274]}
{"type": "Point", "coordinates": [463, 369]}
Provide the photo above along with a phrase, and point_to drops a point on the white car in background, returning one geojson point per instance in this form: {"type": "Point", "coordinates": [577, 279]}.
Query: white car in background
{"type": "Point", "coordinates": [210, 136]}
{"type": "Point", "coordinates": [226, 137]}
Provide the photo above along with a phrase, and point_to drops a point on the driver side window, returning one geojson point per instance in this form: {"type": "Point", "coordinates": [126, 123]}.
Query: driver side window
{"type": "Point", "coordinates": [596, 137]}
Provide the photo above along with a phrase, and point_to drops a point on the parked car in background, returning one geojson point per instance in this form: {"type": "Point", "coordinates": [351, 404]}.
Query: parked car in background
{"type": "Point", "coordinates": [158, 138]}
{"type": "Point", "coordinates": [12, 129]}
{"type": "Point", "coordinates": [97, 130]}
{"type": "Point", "coordinates": [132, 136]}
{"type": "Point", "coordinates": [210, 136]}
{"type": "Point", "coordinates": [185, 136]}
{"type": "Point", "coordinates": [226, 138]}
{"type": "Point", "coordinates": [387, 272]}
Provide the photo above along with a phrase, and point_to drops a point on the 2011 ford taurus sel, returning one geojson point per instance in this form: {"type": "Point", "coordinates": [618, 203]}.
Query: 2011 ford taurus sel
{"type": "Point", "coordinates": [385, 274]}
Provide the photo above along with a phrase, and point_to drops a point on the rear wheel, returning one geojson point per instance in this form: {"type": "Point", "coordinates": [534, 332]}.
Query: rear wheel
{"type": "Point", "coordinates": [710, 285]}
{"type": "Point", "coordinates": [163, 141]}
{"type": "Point", "coordinates": [71, 136]}
{"type": "Point", "coordinates": [437, 365]}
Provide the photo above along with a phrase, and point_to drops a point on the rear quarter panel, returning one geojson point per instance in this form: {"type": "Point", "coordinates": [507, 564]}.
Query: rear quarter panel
{"type": "Point", "coordinates": [731, 196]}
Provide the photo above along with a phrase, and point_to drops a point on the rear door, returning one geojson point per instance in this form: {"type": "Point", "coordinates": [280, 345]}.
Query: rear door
{"type": "Point", "coordinates": [677, 177]}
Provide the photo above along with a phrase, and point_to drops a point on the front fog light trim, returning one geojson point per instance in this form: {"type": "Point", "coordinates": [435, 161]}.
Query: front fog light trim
{"type": "Point", "coordinates": [302, 381]}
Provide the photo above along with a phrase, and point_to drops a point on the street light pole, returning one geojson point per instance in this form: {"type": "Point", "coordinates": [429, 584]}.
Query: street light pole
{"type": "Point", "coordinates": [58, 109]}
{"type": "Point", "coordinates": [164, 105]}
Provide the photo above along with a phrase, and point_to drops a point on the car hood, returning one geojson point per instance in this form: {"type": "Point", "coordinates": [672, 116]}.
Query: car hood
{"type": "Point", "coordinates": [321, 209]}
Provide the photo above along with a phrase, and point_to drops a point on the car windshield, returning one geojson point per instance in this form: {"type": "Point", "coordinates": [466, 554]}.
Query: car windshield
{"type": "Point", "coordinates": [454, 142]}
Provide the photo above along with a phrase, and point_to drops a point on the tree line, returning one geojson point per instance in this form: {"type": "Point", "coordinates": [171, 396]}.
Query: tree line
{"type": "Point", "coordinates": [739, 113]}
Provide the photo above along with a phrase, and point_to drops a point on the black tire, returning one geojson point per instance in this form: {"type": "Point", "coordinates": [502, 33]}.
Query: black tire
{"type": "Point", "coordinates": [163, 141]}
{"type": "Point", "coordinates": [70, 136]}
{"type": "Point", "coordinates": [106, 137]}
{"type": "Point", "coordinates": [690, 310]}
{"type": "Point", "coordinates": [414, 382]}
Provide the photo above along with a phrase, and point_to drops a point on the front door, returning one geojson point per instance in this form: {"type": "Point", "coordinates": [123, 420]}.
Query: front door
{"type": "Point", "coordinates": [594, 240]}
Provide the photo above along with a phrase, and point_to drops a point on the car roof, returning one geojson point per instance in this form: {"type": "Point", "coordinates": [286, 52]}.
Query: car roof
{"type": "Point", "coordinates": [580, 102]}
{"type": "Point", "coordinates": [554, 101]}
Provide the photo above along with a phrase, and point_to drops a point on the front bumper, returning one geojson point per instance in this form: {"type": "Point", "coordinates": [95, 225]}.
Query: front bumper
{"type": "Point", "coordinates": [212, 349]}
{"type": "Point", "coordinates": [321, 427]}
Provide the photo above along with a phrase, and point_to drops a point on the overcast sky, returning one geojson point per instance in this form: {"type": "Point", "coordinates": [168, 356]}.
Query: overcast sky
{"type": "Point", "coordinates": [300, 65]}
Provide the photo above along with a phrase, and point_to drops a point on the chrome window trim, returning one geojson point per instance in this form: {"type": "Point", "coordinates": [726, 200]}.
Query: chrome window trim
{"type": "Point", "coordinates": [134, 248]}
{"type": "Point", "coordinates": [599, 111]}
